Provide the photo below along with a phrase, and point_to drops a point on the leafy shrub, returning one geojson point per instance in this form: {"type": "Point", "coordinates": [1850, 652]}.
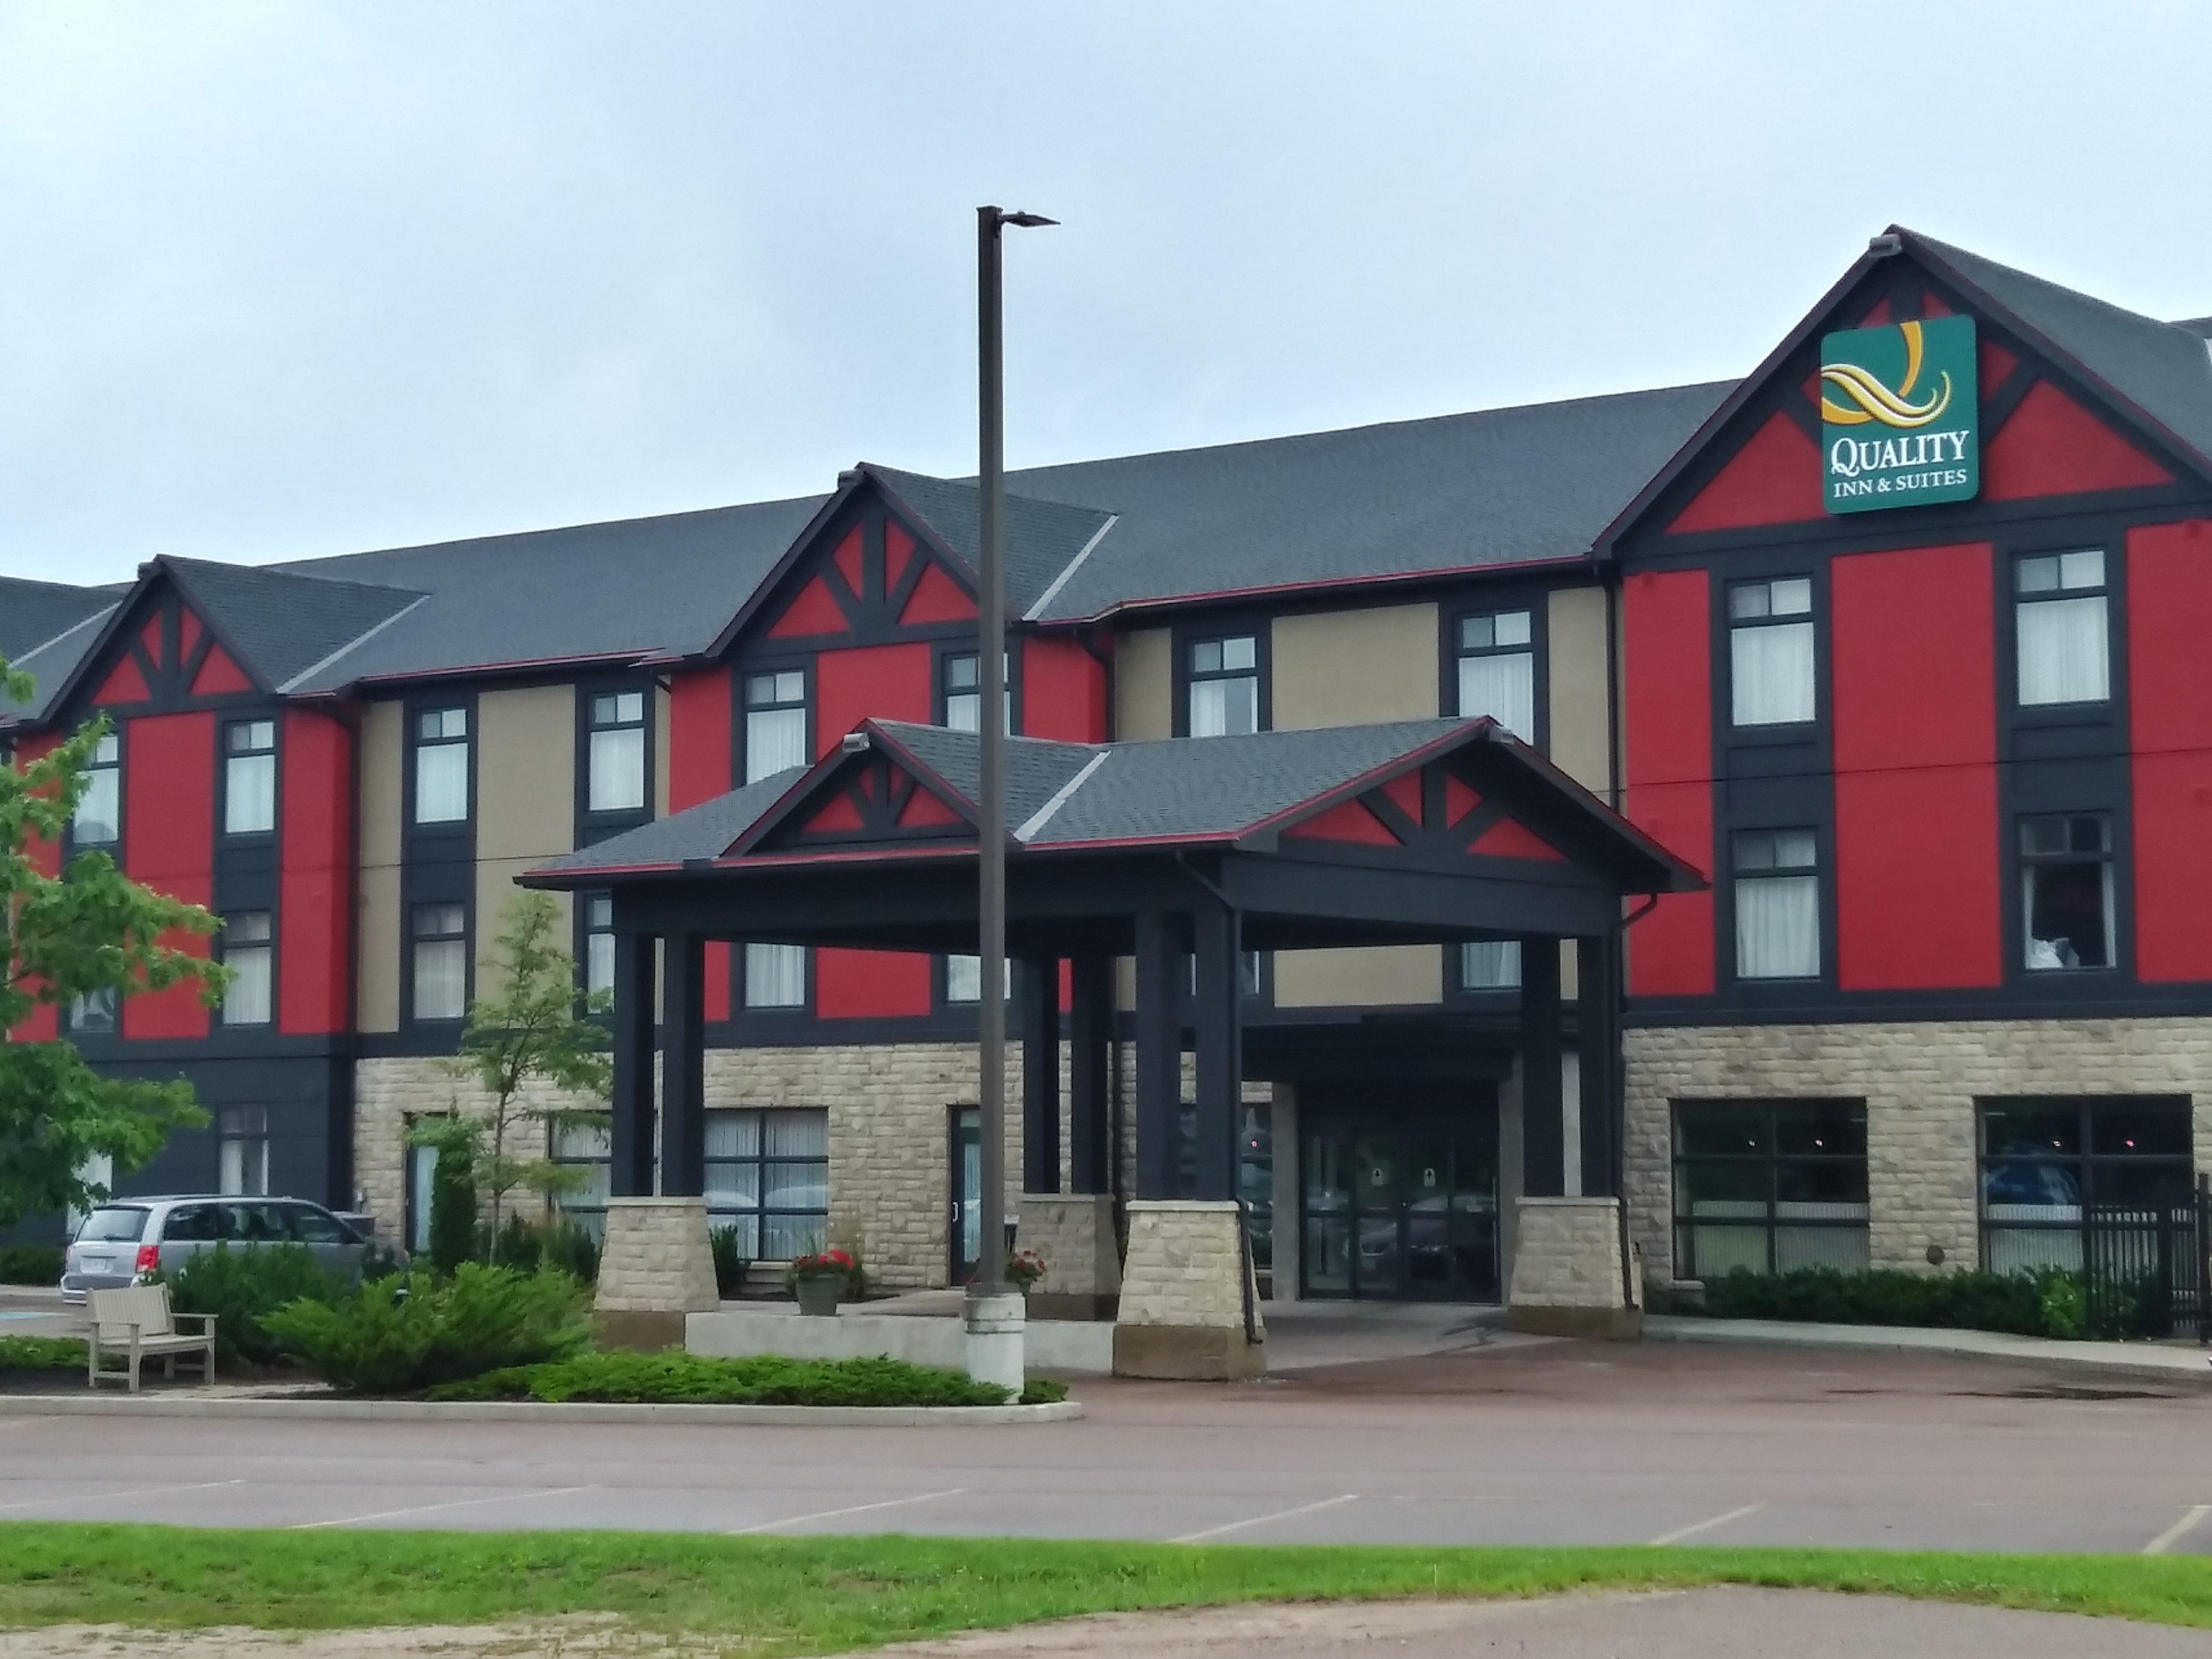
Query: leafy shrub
{"type": "Point", "coordinates": [30, 1264]}
{"type": "Point", "coordinates": [41, 1353]}
{"type": "Point", "coordinates": [676, 1377]}
{"type": "Point", "coordinates": [416, 1330]}
{"type": "Point", "coordinates": [571, 1249]}
{"type": "Point", "coordinates": [242, 1288]}
{"type": "Point", "coordinates": [2048, 1304]}
{"type": "Point", "coordinates": [453, 1189]}
{"type": "Point", "coordinates": [731, 1263]}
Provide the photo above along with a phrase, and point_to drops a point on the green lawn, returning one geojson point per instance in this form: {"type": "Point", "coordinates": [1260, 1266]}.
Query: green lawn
{"type": "Point", "coordinates": [774, 1595]}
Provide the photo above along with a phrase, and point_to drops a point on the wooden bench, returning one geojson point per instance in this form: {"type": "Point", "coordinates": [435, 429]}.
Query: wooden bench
{"type": "Point", "coordinates": [135, 1323]}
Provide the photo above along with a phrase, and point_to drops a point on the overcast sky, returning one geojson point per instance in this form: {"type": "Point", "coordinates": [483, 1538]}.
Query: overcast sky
{"type": "Point", "coordinates": [286, 279]}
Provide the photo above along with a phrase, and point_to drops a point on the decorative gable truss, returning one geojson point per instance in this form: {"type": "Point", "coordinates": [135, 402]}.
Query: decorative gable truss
{"type": "Point", "coordinates": [864, 799]}
{"type": "Point", "coordinates": [1435, 817]}
{"type": "Point", "coordinates": [160, 655]}
{"type": "Point", "coordinates": [860, 574]}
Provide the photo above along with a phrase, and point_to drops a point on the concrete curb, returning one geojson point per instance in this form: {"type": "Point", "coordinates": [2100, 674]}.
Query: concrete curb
{"type": "Point", "coordinates": [2183, 1367]}
{"type": "Point", "coordinates": [275, 1406]}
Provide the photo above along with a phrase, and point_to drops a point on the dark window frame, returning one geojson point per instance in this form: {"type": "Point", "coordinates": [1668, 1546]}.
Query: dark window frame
{"type": "Point", "coordinates": [1537, 605]}
{"type": "Point", "coordinates": [412, 939]}
{"type": "Point", "coordinates": [1725, 941]}
{"type": "Point", "coordinates": [2014, 600]}
{"type": "Point", "coordinates": [1812, 575]}
{"type": "Point", "coordinates": [1186, 634]}
{"type": "Point", "coordinates": [944, 653]}
{"type": "Point", "coordinates": [762, 1161]}
{"type": "Point", "coordinates": [115, 849]}
{"type": "Point", "coordinates": [224, 946]}
{"type": "Point", "coordinates": [2083, 1162]}
{"type": "Point", "coordinates": [411, 711]}
{"type": "Point", "coordinates": [740, 673]}
{"type": "Point", "coordinates": [229, 724]}
{"type": "Point", "coordinates": [2023, 861]}
{"type": "Point", "coordinates": [597, 824]}
{"type": "Point", "coordinates": [1772, 1159]}
{"type": "Point", "coordinates": [785, 1014]}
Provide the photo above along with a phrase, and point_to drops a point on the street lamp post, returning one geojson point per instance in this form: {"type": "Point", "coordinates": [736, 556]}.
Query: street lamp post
{"type": "Point", "coordinates": [994, 1312]}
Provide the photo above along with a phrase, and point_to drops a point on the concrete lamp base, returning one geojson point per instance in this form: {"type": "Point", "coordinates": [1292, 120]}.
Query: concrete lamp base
{"type": "Point", "coordinates": [994, 1338]}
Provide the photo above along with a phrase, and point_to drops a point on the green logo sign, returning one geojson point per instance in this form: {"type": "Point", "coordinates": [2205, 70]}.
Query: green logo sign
{"type": "Point", "coordinates": [1899, 409]}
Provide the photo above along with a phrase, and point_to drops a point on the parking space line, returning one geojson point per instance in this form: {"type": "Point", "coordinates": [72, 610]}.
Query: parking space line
{"type": "Point", "coordinates": [428, 1509]}
{"type": "Point", "coordinates": [103, 1496]}
{"type": "Point", "coordinates": [2174, 1533]}
{"type": "Point", "coordinates": [1261, 1520]}
{"type": "Point", "coordinates": [1696, 1526]}
{"type": "Point", "coordinates": [856, 1508]}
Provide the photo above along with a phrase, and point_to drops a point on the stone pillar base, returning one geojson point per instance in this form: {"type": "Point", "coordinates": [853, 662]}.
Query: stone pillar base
{"type": "Point", "coordinates": [1569, 1279]}
{"type": "Point", "coordinates": [655, 1265]}
{"type": "Point", "coordinates": [1190, 1309]}
{"type": "Point", "coordinates": [1074, 1233]}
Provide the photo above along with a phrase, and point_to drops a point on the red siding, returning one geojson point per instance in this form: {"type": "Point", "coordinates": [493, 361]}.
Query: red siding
{"type": "Point", "coordinates": [46, 857]}
{"type": "Point", "coordinates": [1667, 651]}
{"type": "Point", "coordinates": [219, 674]}
{"type": "Point", "coordinates": [698, 770]}
{"type": "Point", "coordinates": [314, 909]}
{"type": "Point", "coordinates": [1775, 478]}
{"type": "Point", "coordinates": [2050, 446]}
{"type": "Point", "coordinates": [1914, 670]}
{"type": "Point", "coordinates": [857, 984]}
{"type": "Point", "coordinates": [936, 598]}
{"type": "Point", "coordinates": [123, 684]}
{"type": "Point", "coordinates": [815, 611]}
{"type": "Point", "coordinates": [2170, 696]}
{"type": "Point", "coordinates": [168, 839]}
{"type": "Point", "coordinates": [880, 682]}
{"type": "Point", "coordinates": [1063, 692]}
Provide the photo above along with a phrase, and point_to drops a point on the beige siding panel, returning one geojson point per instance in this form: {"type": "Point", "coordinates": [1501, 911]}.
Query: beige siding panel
{"type": "Point", "coordinates": [662, 704]}
{"type": "Point", "coordinates": [1144, 685]}
{"type": "Point", "coordinates": [1363, 976]}
{"type": "Point", "coordinates": [525, 773]}
{"type": "Point", "coordinates": [495, 896]}
{"type": "Point", "coordinates": [1351, 667]}
{"type": "Point", "coordinates": [383, 751]}
{"type": "Point", "coordinates": [1581, 724]}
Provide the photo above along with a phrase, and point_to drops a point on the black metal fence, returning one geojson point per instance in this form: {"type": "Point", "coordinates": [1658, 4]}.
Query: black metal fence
{"type": "Point", "coordinates": [2146, 1266]}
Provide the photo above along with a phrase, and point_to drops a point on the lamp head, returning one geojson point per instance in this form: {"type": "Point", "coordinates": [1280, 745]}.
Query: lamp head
{"type": "Point", "coordinates": [1025, 220]}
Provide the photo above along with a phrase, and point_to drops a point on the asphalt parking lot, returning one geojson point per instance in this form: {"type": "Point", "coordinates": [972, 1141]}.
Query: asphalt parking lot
{"type": "Point", "coordinates": [1533, 1442]}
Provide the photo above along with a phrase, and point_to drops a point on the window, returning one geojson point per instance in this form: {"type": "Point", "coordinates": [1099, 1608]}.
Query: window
{"type": "Point", "coordinates": [2059, 628]}
{"type": "Point", "coordinates": [963, 978]}
{"type": "Point", "coordinates": [422, 1180]}
{"type": "Point", "coordinates": [776, 723]}
{"type": "Point", "coordinates": [249, 778]}
{"type": "Point", "coordinates": [441, 765]}
{"type": "Point", "coordinates": [964, 692]}
{"type": "Point", "coordinates": [242, 1152]}
{"type": "Point", "coordinates": [1224, 687]}
{"type": "Point", "coordinates": [93, 1011]}
{"type": "Point", "coordinates": [1771, 656]}
{"type": "Point", "coordinates": [599, 942]}
{"type": "Point", "coordinates": [1778, 909]}
{"type": "Point", "coordinates": [247, 951]}
{"type": "Point", "coordinates": [1493, 964]}
{"type": "Point", "coordinates": [1769, 1185]}
{"type": "Point", "coordinates": [98, 818]}
{"type": "Point", "coordinates": [2066, 889]}
{"type": "Point", "coordinates": [2047, 1163]}
{"type": "Point", "coordinates": [585, 1145]}
{"type": "Point", "coordinates": [1498, 671]}
{"type": "Point", "coordinates": [775, 976]}
{"type": "Point", "coordinates": [768, 1176]}
{"type": "Point", "coordinates": [617, 760]}
{"type": "Point", "coordinates": [1252, 977]}
{"type": "Point", "coordinates": [442, 960]}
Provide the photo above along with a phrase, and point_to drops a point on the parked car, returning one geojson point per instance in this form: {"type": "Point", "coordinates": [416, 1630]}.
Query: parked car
{"type": "Point", "coordinates": [127, 1237]}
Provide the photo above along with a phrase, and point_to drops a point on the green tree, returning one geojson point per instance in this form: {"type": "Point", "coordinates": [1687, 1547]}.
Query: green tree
{"type": "Point", "coordinates": [89, 930]}
{"type": "Point", "coordinates": [537, 1027]}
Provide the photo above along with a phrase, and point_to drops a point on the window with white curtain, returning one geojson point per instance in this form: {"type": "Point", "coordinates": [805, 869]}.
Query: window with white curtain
{"type": "Point", "coordinates": [442, 960]}
{"type": "Point", "coordinates": [964, 691]}
{"type": "Point", "coordinates": [1771, 650]}
{"type": "Point", "coordinates": [2060, 627]}
{"type": "Point", "coordinates": [776, 723]}
{"type": "Point", "coordinates": [242, 1152]}
{"type": "Point", "coordinates": [1224, 687]}
{"type": "Point", "coordinates": [98, 818]}
{"type": "Point", "coordinates": [441, 765]}
{"type": "Point", "coordinates": [775, 976]}
{"type": "Point", "coordinates": [248, 951]}
{"type": "Point", "coordinates": [1490, 964]}
{"type": "Point", "coordinates": [1777, 905]}
{"type": "Point", "coordinates": [598, 942]}
{"type": "Point", "coordinates": [249, 778]}
{"type": "Point", "coordinates": [768, 1177]}
{"type": "Point", "coordinates": [1498, 671]}
{"type": "Point", "coordinates": [617, 752]}
{"type": "Point", "coordinates": [963, 978]}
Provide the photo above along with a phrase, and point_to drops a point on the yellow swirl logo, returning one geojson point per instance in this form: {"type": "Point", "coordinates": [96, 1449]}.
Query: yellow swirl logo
{"type": "Point", "coordinates": [1870, 400]}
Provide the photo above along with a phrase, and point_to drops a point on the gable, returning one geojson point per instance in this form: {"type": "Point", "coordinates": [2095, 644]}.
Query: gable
{"type": "Point", "coordinates": [1436, 817]}
{"type": "Point", "coordinates": [869, 800]}
{"type": "Point", "coordinates": [863, 577]}
{"type": "Point", "coordinates": [162, 656]}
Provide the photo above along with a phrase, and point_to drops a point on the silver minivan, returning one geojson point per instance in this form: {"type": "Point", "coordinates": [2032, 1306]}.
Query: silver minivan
{"type": "Point", "coordinates": [127, 1237]}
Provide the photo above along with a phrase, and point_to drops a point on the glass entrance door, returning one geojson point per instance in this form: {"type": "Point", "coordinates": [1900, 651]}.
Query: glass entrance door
{"type": "Point", "coordinates": [966, 1166]}
{"type": "Point", "coordinates": [1401, 1204]}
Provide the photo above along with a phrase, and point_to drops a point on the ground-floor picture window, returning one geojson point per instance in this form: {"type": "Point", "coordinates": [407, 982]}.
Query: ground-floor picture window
{"type": "Point", "coordinates": [1769, 1185]}
{"type": "Point", "coordinates": [583, 1151]}
{"type": "Point", "coordinates": [2052, 1170]}
{"type": "Point", "coordinates": [768, 1176]}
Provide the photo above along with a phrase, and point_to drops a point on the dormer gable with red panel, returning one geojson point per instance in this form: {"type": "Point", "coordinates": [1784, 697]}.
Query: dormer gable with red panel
{"type": "Point", "coordinates": [1437, 817]}
{"type": "Point", "coordinates": [159, 655]}
{"type": "Point", "coordinates": [868, 800]}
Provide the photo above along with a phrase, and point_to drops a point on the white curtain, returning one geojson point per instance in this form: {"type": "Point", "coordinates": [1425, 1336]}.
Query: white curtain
{"type": "Point", "coordinates": [618, 769]}
{"type": "Point", "coordinates": [775, 975]}
{"type": "Point", "coordinates": [441, 783]}
{"type": "Point", "coordinates": [2063, 653]}
{"type": "Point", "coordinates": [441, 979]}
{"type": "Point", "coordinates": [1502, 687]}
{"type": "Point", "coordinates": [249, 795]}
{"type": "Point", "coordinates": [1223, 709]}
{"type": "Point", "coordinates": [1490, 965]}
{"type": "Point", "coordinates": [1771, 673]}
{"type": "Point", "coordinates": [98, 810]}
{"type": "Point", "coordinates": [776, 741]}
{"type": "Point", "coordinates": [1778, 927]}
{"type": "Point", "coordinates": [247, 1000]}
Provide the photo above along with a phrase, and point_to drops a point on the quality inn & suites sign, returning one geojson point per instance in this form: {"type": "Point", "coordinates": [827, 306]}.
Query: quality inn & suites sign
{"type": "Point", "coordinates": [1898, 415]}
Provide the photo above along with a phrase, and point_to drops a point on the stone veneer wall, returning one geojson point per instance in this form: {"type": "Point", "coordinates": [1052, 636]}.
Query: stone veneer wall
{"type": "Point", "coordinates": [1920, 1081]}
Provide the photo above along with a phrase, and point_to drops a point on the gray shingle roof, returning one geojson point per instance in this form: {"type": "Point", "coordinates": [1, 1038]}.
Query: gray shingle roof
{"type": "Point", "coordinates": [33, 613]}
{"type": "Point", "coordinates": [1037, 540]}
{"type": "Point", "coordinates": [1457, 492]}
{"type": "Point", "coordinates": [697, 832]}
{"type": "Point", "coordinates": [285, 624]}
